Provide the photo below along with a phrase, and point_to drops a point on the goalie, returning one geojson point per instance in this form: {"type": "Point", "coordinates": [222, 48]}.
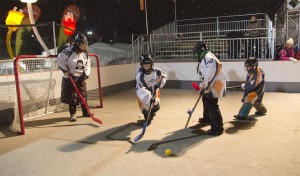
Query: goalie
{"type": "Point", "coordinates": [254, 88]}
{"type": "Point", "coordinates": [74, 61]}
{"type": "Point", "coordinates": [149, 81]}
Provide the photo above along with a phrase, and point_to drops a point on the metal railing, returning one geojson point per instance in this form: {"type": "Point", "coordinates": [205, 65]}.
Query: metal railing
{"type": "Point", "coordinates": [224, 48]}
{"type": "Point", "coordinates": [168, 47]}
{"type": "Point", "coordinates": [216, 24]}
{"type": "Point", "coordinates": [226, 36]}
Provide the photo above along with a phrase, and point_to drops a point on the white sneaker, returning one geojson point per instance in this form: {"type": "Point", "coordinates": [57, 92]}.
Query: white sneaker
{"type": "Point", "coordinates": [73, 118]}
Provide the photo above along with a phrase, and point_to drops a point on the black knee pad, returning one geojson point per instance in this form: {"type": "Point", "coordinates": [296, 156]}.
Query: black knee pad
{"type": "Point", "coordinates": [155, 108]}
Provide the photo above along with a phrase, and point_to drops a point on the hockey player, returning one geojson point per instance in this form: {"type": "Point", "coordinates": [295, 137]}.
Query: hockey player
{"type": "Point", "coordinates": [212, 86]}
{"type": "Point", "coordinates": [149, 81]}
{"type": "Point", "coordinates": [253, 89]}
{"type": "Point", "coordinates": [74, 61]}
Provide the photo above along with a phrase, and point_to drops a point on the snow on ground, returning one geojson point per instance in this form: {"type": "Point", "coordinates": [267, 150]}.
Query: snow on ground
{"type": "Point", "coordinates": [108, 53]}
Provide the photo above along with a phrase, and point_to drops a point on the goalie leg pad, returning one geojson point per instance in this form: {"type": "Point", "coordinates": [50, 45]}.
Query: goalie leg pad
{"type": "Point", "coordinates": [245, 110]}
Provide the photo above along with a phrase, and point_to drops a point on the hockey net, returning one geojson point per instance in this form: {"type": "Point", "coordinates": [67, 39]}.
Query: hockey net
{"type": "Point", "coordinates": [38, 88]}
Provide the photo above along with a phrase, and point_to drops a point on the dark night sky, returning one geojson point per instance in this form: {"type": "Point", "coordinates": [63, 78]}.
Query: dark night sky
{"type": "Point", "coordinates": [124, 16]}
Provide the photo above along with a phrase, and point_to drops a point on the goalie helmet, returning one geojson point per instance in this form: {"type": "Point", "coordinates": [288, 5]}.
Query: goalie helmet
{"type": "Point", "coordinates": [251, 64]}
{"type": "Point", "coordinates": [146, 59]}
{"type": "Point", "coordinates": [81, 38]}
{"type": "Point", "coordinates": [198, 49]}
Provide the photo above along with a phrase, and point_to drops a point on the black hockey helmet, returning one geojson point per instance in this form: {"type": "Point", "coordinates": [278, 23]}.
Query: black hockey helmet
{"type": "Point", "coordinates": [251, 64]}
{"type": "Point", "coordinates": [146, 59]}
{"type": "Point", "coordinates": [198, 49]}
{"type": "Point", "coordinates": [81, 38]}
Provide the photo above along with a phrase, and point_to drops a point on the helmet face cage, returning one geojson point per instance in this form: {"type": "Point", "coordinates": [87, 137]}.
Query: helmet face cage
{"type": "Point", "coordinates": [251, 64]}
{"type": "Point", "coordinates": [146, 59]}
{"type": "Point", "coordinates": [198, 49]}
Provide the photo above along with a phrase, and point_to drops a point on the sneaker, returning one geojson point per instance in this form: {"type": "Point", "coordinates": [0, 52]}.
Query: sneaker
{"type": "Point", "coordinates": [72, 118]}
{"type": "Point", "coordinates": [260, 113]}
{"type": "Point", "coordinates": [214, 132]}
{"type": "Point", "coordinates": [239, 117]}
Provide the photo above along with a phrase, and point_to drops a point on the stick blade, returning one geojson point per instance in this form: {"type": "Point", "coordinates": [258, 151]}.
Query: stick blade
{"type": "Point", "coordinates": [139, 137]}
{"type": "Point", "coordinates": [96, 119]}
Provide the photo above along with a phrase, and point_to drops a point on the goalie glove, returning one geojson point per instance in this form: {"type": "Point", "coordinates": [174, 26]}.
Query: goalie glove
{"type": "Point", "coordinates": [293, 59]}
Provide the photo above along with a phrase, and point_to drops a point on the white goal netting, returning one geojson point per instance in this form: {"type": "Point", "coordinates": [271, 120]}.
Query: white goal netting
{"type": "Point", "coordinates": [35, 88]}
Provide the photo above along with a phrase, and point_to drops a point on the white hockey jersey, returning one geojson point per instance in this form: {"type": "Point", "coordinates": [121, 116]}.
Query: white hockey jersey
{"type": "Point", "coordinates": [77, 63]}
{"type": "Point", "coordinates": [150, 80]}
{"type": "Point", "coordinates": [212, 76]}
{"type": "Point", "coordinates": [145, 84]}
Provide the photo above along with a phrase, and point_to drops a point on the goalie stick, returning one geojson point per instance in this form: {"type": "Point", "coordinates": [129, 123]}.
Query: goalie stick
{"type": "Point", "coordinates": [190, 112]}
{"type": "Point", "coordinates": [139, 137]}
{"type": "Point", "coordinates": [83, 101]}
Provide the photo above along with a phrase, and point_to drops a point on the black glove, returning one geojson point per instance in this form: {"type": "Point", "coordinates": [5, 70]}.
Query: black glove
{"type": "Point", "coordinates": [81, 78]}
{"type": "Point", "coordinates": [202, 91]}
{"type": "Point", "coordinates": [152, 100]}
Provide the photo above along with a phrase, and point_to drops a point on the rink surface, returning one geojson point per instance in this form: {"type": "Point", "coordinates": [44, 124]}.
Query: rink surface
{"type": "Point", "coordinates": [265, 145]}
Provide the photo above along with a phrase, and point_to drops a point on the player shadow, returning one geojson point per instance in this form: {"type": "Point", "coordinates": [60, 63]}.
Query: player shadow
{"type": "Point", "coordinates": [238, 125]}
{"type": "Point", "coordinates": [119, 133]}
{"type": "Point", "coordinates": [199, 125]}
{"type": "Point", "coordinates": [54, 122]}
{"type": "Point", "coordinates": [179, 142]}
{"type": "Point", "coordinates": [41, 123]}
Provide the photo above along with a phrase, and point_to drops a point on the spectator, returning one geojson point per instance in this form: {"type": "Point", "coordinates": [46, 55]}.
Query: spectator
{"type": "Point", "coordinates": [253, 45]}
{"type": "Point", "coordinates": [287, 53]}
{"type": "Point", "coordinates": [297, 51]}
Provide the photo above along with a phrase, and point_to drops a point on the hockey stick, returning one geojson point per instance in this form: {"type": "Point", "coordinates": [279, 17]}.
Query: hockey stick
{"type": "Point", "coordinates": [233, 87]}
{"type": "Point", "coordinates": [84, 103]}
{"type": "Point", "coordinates": [190, 112]}
{"type": "Point", "coordinates": [136, 139]}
